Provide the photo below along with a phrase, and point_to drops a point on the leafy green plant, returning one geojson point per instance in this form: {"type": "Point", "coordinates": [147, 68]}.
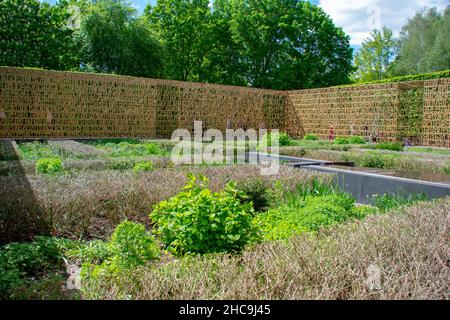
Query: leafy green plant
{"type": "Point", "coordinates": [447, 169]}
{"type": "Point", "coordinates": [357, 140]}
{"type": "Point", "coordinates": [256, 192]}
{"type": "Point", "coordinates": [49, 166]}
{"type": "Point", "coordinates": [21, 260]}
{"type": "Point", "coordinates": [386, 145]}
{"type": "Point", "coordinates": [307, 214]}
{"type": "Point", "coordinates": [308, 208]}
{"type": "Point", "coordinates": [311, 137]}
{"type": "Point", "coordinates": [388, 202]}
{"type": "Point", "coordinates": [341, 140]}
{"type": "Point", "coordinates": [130, 246]}
{"type": "Point", "coordinates": [282, 137]}
{"type": "Point", "coordinates": [200, 221]}
{"type": "Point", "coordinates": [131, 149]}
{"type": "Point", "coordinates": [143, 167]}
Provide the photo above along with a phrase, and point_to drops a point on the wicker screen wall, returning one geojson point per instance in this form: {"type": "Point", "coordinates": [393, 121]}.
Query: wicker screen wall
{"type": "Point", "coordinates": [51, 104]}
{"type": "Point", "coordinates": [38, 103]}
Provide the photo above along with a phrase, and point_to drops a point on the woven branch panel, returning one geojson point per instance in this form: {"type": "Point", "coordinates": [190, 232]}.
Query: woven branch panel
{"type": "Point", "coordinates": [417, 110]}
{"type": "Point", "coordinates": [44, 104]}
{"type": "Point", "coordinates": [51, 104]}
{"type": "Point", "coordinates": [436, 114]}
{"type": "Point", "coordinates": [368, 111]}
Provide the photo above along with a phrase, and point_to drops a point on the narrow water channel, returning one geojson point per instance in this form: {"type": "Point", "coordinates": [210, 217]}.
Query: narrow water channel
{"type": "Point", "coordinates": [416, 175]}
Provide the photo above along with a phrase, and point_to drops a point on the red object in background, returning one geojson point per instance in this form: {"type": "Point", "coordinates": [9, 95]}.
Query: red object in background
{"type": "Point", "coordinates": [331, 134]}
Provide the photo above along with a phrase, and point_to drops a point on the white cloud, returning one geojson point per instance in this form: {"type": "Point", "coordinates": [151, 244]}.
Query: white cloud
{"type": "Point", "coordinates": [359, 17]}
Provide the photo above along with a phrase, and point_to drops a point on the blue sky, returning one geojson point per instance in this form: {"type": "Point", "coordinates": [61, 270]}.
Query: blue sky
{"type": "Point", "coordinates": [358, 17]}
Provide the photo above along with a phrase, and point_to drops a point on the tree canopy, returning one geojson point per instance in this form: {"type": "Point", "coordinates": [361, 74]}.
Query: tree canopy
{"type": "Point", "coordinates": [424, 44]}
{"type": "Point", "coordinates": [36, 34]}
{"type": "Point", "coordinates": [112, 39]}
{"type": "Point", "coordinates": [374, 60]}
{"type": "Point", "coordinates": [277, 44]}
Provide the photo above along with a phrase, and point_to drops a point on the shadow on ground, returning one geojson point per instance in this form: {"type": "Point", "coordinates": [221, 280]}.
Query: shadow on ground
{"type": "Point", "coordinates": [21, 216]}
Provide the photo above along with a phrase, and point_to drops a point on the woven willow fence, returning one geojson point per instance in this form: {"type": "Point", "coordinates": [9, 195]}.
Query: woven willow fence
{"type": "Point", "coordinates": [37, 103]}
{"type": "Point", "coordinates": [418, 111]}
{"type": "Point", "coordinates": [50, 104]}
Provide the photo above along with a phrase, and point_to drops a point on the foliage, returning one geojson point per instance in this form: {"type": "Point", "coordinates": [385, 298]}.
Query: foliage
{"type": "Point", "coordinates": [113, 40]}
{"type": "Point", "coordinates": [21, 260]}
{"type": "Point", "coordinates": [447, 169]}
{"type": "Point", "coordinates": [130, 246]}
{"type": "Point", "coordinates": [341, 141]}
{"type": "Point", "coordinates": [143, 166]}
{"type": "Point", "coordinates": [256, 192]}
{"type": "Point", "coordinates": [35, 34]}
{"type": "Point", "coordinates": [284, 44]}
{"type": "Point", "coordinates": [374, 60]}
{"type": "Point", "coordinates": [307, 209]}
{"type": "Point", "coordinates": [127, 149]}
{"type": "Point", "coordinates": [410, 114]}
{"type": "Point", "coordinates": [386, 145]}
{"type": "Point", "coordinates": [311, 137]}
{"type": "Point", "coordinates": [415, 77]}
{"type": "Point", "coordinates": [36, 150]}
{"type": "Point", "coordinates": [388, 202]}
{"type": "Point", "coordinates": [183, 27]}
{"type": "Point", "coordinates": [49, 166]}
{"type": "Point", "coordinates": [423, 43]}
{"type": "Point", "coordinates": [357, 140]}
{"type": "Point", "coordinates": [200, 221]}
{"type": "Point", "coordinates": [282, 138]}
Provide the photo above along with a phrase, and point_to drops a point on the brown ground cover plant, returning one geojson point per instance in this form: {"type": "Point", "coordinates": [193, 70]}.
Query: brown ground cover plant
{"type": "Point", "coordinates": [409, 246]}
{"type": "Point", "coordinates": [91, 204]}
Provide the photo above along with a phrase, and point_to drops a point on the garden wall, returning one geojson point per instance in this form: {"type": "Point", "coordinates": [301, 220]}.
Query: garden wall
{"type": "Point", "coordinates": [43, 104]}
{"type": "Point", "coordinates": [38, 103]}
{"type": "Point", "coordinates": [415, 110]}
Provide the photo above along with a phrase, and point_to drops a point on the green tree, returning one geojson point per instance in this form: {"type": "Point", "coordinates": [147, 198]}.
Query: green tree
{"type": "Point", "coordinates": [374, 60]}
{"type": "Point", "coordinates": [424, 44]}
{"type": "Point", "coordinates": [113, 39]}
{"type": "Point", "coordinates": [184, 29]}
{"type": "Point", "coordinates": [284, 44]}
{"type": "Point", "coordinates": [35, 34]}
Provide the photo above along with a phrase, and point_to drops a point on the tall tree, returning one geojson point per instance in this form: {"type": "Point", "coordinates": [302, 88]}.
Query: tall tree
{"type": "Point", "coordinates": [374, 60]}
{"type": "Point", "coordinates": [183, 27]}
{"type": "Point", "coordinates": [114, 40]}
{"type": "Point", "coordinates": [423, 44]}
{"type": "Point", "coordinates": [35, 34]}
{"type": "Point", "coordinates": [285, 44]}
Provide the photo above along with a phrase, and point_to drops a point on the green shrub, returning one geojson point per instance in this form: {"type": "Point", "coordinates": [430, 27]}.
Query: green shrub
{"type": "Point", "coordinates": [341, 141]}
{"type": "Point", "coordinates": [49, 166]}
{"type": "Point", "coordinates": [307, 214]}
{"type": "Point", "coordinates": [143, 167]}
{"type": "Point", "coordinates": [21, 260]}
{"type": "Point", "coordinates": [386, 145]}
{"type": "Point", "coordinates": [447, 169]}
{"type": "Point", "coordinates": [36, 150]}
{"type": "Point", "coordinates": [283, 139]}
{"type": "Point", "coordinates": [200, 221]}
{"type": "Point", "coordinates": [256, 193]}
{"type": "Point", "coordinates": [127, 149]}
{"type": "Point", "coordinates": [388, 202]}
{"type": "Point", "coordinates": [357, 140]}
{"type": "Point", "coordinates": [130, 246]}
{"type": "Point", "coordinates": [311, 137]}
